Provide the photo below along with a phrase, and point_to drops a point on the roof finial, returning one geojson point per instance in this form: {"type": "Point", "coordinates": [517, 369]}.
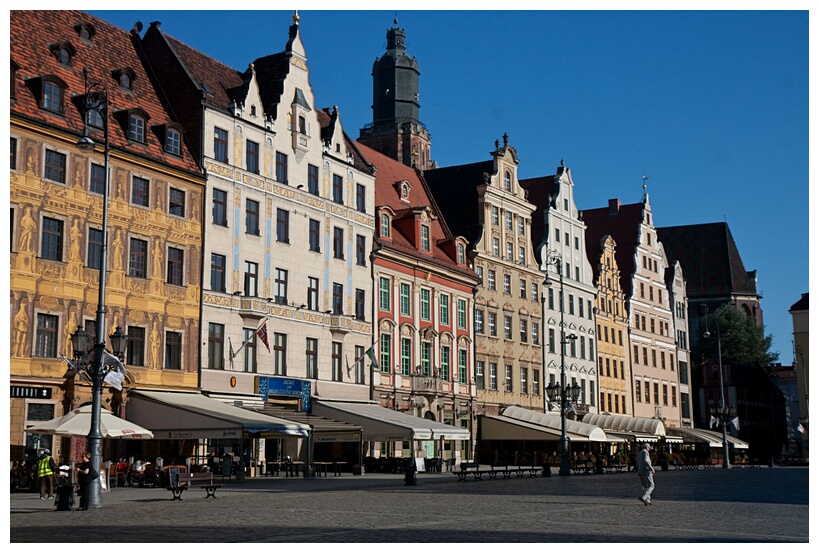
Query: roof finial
{"type": "Point", "coordinates": [562, 163]}
{"type": "Point", "coordinates": [296, 17]}
{"type": "Point", "coordinates": [505, 139]}
{"type": "Point", "coordinates": [645, 178]}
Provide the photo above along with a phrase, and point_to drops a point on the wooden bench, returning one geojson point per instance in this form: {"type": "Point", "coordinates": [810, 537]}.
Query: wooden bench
{"type": "Point", "coordinates": [615, 467]}
{"type": "Point", "coordinates": [179, 482]}
{"type": "Point", "coordinates": [519, 469]}
{"type": "Point", "coordinates": [470, 468]}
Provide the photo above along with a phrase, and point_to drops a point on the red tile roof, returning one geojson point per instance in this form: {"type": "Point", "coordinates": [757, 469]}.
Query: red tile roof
{"type": "Point", "coordinates": [388, 172]}
{"type": "Point", "coordinates": [109, 50]}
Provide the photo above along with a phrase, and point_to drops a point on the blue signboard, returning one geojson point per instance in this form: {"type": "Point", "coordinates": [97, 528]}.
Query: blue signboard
{"type": "Point", "coordinates": [283, 386]}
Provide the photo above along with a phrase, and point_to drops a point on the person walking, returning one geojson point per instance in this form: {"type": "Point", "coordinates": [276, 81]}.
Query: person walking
{"type": "Point", "coordinates": [45, 472]}
{"type": "Point", "coordinates": [646, 473]}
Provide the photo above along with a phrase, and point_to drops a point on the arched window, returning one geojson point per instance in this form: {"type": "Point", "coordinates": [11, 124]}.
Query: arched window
{"type": "Point", "coordinates": [64, 56]}
{"type": "Point", "coordinates": [136, 128]}
{"type": "Point", "coordinates": [125, 81]}
{"type": "Point", "coordinates": [507, 181]}
{"type": "Point", "coordinates": [385, 225]}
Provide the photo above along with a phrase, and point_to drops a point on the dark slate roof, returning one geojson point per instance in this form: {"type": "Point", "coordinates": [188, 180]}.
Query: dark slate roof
{"type": "Point", "coordinates": [109, 50]}
{"type": "Point", "coordinates": [709, 258]}
{"type": "Point", "coordinates": [538, 190]}
{"type": "Point", "coordinates": [802, 304]}
{"type": "Point", "coordinates": [224, 83]}
{"type": "Point", "coordinates": [390, 171]}
{"type": "Point", "coordinates": [456, 192]}
{"type": "Point", "coordinates": [623, 224]}
{"type": "Point", "coordinates": [270, 74]}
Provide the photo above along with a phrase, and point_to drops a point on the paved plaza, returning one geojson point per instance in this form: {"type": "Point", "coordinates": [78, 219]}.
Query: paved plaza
{"type": "Point", "coordinates": [739, 505]}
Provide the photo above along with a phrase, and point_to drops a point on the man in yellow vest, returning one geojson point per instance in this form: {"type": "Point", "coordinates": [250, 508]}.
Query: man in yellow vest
{"type": "Point", "coordinates": [45, 473]}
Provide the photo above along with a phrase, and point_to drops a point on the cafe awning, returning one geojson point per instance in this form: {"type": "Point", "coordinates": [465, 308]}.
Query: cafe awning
{"type": "Point", "coordinates": [631, 429]}
{"type": "Point", "coordinates": [699, 435]}
{"type": "Point", "coordinates": [575, 430]}
{"type": "Point", "coordinates": [188, 415]}
{"type": "Point", "coordinates": [498, 427]}
{"type": "Point", "coordinates": [382, 424]}
{"type": "Point", "coordinates": [325, 430]}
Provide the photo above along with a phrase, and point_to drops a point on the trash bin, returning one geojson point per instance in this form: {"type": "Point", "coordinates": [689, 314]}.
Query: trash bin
{"type": "Point", "coordinates": [409, 473]}
{"type": "Point", "coordinates": [227, 465]}
{"type": "Point", "coordinates": [64, 500]}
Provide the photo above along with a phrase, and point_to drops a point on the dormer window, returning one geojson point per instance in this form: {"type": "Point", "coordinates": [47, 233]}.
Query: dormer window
{"type": "Point", "coordinates": [302, 125]}
{"type": "Point", "coordinates": [461, 256]}
{"type": "Point", "coordinates": [253, 111]}
{"type": "Point", "coordinates": [136, 128]}
{"type": "Point", "coordinates": [85, 31]}
{"type": "Point", "coordinates": [507, 181]}
{"type": "Point", "coordinates": [425, 237]}
{"type": "Point", "coordinates": [405, 191]}
{"type": "Point", "coordinates": [52, 98]}
{"type": "Point", "coordinates": [125, 77]}
{"type": "Point", "coordinates": [93, 118]}
{"type": "Point", "coordinates": [63, 51]}
{"type": "Point", "coordinates": [385, 225]}
{"type": "Point", "coordinates": [173, 139]}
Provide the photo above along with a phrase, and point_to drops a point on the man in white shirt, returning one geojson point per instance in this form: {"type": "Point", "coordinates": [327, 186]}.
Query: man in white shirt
{"type": "Point", "coordinates": [646, 473]}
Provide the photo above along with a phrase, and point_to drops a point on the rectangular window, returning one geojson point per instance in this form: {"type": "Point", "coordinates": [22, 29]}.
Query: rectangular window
{"type": "Point", "coordinates": [176, 264]}
{"type": "Point", "coordinates": [524, 380]}
{"type": "Point", "coordinates": [138, 258]}
{"type": "Point", "coordinates": [385, 353]}
{"type": "Point", "coordinates": [462, 357]}
{"type": "Point", "coordinates": [493, 376]}
{"type": "Point", "coordinates": [220, 145]}
{"type": "Point", "coordinates": [338, 298]}
{"type": "Point", "coordinates": [249, 350]}
{"type": "Point", "coordinates": [461, 313]}
{"type": "Point", "coordinates": [359, 304]}
{"type": "Point", "coordinates": [426, 358]}
{"type": "Point", "coordinates": [673, 396]}
{"type": "Point", "coordinates": [535, 333]}
{"type": "Point", "coordinates": [509, 251]}
{"type": "Point", "coordinates": [135, 355]}
{"type": "Point", "coordinates": [491, 281]}
{"type": "Point", "coordinates": [507, 381]}
{"type": "Point", "coordinates": [251, 279]}
{"type": "Point", "coordinates": [252, 157]}
{"type": "Point", "coordinates": [507, 284]}
{"type": "Point", "coordinates": [536, 382]}
{"type": "Point", "coordinates": [384, 294]}
{"type": "Point", "coordinates": [283, 226]}
{"type": "Point", "coordinates": [360, 250]}
{"type": "Point", "coordinates": [445, 352]}
{"type": "Point", "coordinates": [478, 321]}
{"type": "Point", "coordinates": [406, 356]}
{"type": "Point", "coordinates": [444, 309]}
{"type": "Point", "coordinates": [551, 298]}
{"type": "Point", "coordinates": [55, 166]}
{"type": "Point", "coordinates": [582, 347]}
{"type": "Point", "coordinates": [216, 346]}
{"type": "Point", "coordinates": [46, 343]}
{"type": "Point", "coordinates": [176, 202]}
{"type": "Point", "coordinates": [508, 220]}
{"type": "Point", "coordinates": [656, 393]}
{"type": "Point", "coordinates": [523, 289]}
{"type": "Point", "coordinates": [312, 180]}
{"type": "Point", "coordinates": [479, 272]}
{"type": "Point", "coordinates": [13, 152]}
{"type": "Point", "coordinates": [311, 357]}
{"type": "Point", "coordinates": [252, 217]}
{"type": "Point", "coordinates": [217, 272]}
{"type": "Point", "coordinates": [493, 326]}
{"type": "Point", "coordinates": [637, 395]}
{"type": "Point", "coordinates": [552, 348]}
{"type": "Point", "coordinates": [338, 243]}
{"type": "Point", "coordinates": [479, 382]}
{"type": "Point", "coordinates": [312, 293]}
{"type": "Point", "coordinates": [405, 299]}
{"type": "Point", "coordinates": [361, 198]}
{"type": "Point", "coordinates": [571, 304]}
{"type": "Point", "coordinates": [97, 179]}
{"type": "Point", "coordinates": [507, 327]}
{"type": "Point", "coordinates": [338, 375]}
{"type": "Point", "coordinates": [281, 167]}
{"type": "Point", "coordinates": [219, 207]}
{"type": "Point", "coordinates": [338, 189]}
{"type": "Point", "coordinates": [665, 394]}
{"type": "Point", "coordinates": [425, 238]}
{"type": "Point", "coordinates": [315, 233]}
{"type": "Point", "coordinates": [524, 331]}
{"type": "Point", "coordinates": [495, 247]}
{"type": "Point", "coordinates": [683, 372]}
{"type": "Point", "coordinates": [279, 354]}
{"type": "Point", "coordinates": [534, 291]}
{"type": "Point", "coordinates": [425, 305]}
{"type": "Point", "coordinates": [52, 239]}
{"type": "Point", "coordinates": [280, 287]}
{"type": "Point", "coordinates": [173, 351]}
{"type": "Point", "coordinates": [139, 191]}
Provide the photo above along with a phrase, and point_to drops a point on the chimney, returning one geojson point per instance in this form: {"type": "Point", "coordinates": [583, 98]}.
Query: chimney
{"type": "Point", "coordinates": [614, 206]}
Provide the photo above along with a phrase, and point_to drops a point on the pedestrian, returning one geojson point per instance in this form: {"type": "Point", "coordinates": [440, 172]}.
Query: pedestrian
{"type": "Point", "coordinates": [45, 472]}
{"type": "Point", "coordinates": [646, 473]}
{"type": "Point", "coordinates": [86, 474]}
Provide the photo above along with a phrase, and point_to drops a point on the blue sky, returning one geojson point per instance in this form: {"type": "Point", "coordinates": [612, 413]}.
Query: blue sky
{"type": "Point", "coordinates": [711, 105]}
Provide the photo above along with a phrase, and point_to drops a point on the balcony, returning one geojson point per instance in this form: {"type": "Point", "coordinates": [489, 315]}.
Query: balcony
{"type": "Point", "coordinates": [422, 384]}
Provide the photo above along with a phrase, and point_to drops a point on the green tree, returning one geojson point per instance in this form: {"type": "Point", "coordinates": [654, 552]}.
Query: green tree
{"type": "Point", "coordinates": [742, 341]}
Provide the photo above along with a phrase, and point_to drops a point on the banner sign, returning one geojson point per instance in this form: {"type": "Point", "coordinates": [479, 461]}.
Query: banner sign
{"type": "Point", "coordinates": [282, 386]}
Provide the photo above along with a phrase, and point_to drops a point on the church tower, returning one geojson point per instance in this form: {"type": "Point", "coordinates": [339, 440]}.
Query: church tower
{"type": "Point", "coordinates": [396, 131]}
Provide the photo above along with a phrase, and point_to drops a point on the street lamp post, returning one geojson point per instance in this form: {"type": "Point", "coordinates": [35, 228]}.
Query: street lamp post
{"type": "Point", "coordinates": [554, 258]}
{"type": "Point", "coordinates": [96, 101]}
{"type": "Point", "coordinates": [723, 410]}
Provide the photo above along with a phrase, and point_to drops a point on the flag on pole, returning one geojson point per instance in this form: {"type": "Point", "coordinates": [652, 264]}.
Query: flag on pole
{"type": "Point", "coordinates": [371, 354]}
{"type": "Point", "coordinates": [800, 428]}
{"type": "Point", "coordinates": [735, 422]}
{"type": "Point", "coordinates": [71, 363]}
{"type": "Point", "coordinates": [113, 361]}
{"type": "Point", "coordinates": [571, 409]}
{"type": "Point", "coordinates": [262, 334]}
{"type": "Point", "coordinates": [114, 378]}
{"type": "Point", "coordinates": [714, 422]}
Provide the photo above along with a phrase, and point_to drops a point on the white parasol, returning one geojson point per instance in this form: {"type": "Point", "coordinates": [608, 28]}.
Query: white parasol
{"type": "Point", "coordinates": [78, 423]}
